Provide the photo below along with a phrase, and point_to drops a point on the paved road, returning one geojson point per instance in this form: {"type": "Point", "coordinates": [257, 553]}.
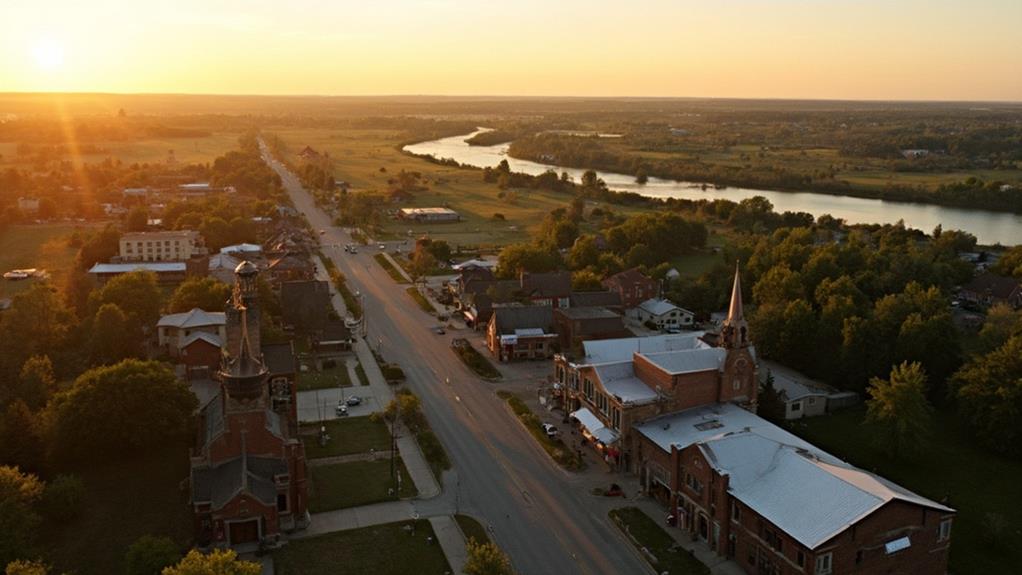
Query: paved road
{"type": "Point", "coordinates": [540, 515]}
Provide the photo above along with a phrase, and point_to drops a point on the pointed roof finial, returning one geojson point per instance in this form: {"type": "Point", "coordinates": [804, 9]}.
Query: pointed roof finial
{"type": "Point", "coordinates": [736, 313]}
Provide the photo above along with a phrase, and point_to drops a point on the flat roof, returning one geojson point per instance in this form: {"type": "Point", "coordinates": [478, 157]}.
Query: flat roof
{"type": "Point", "coordinates": [621, 349]}
{"type": "Point", "coordinates": [157, 267]}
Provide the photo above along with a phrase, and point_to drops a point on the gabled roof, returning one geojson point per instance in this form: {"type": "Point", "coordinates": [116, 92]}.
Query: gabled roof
{"type": "Point", "coordinates": [223, 262]}
{"type": "Point", "coordinates": [207, 337]}
{"type": "Point", "coordinates": [511, 318]}
{"type": "Point", "coordinates": [1000, 287]}
{"type": "Point", "coordinates": [660, 307]}
{"type": "Point", "coordinates": [251, 474]}
{"type": "Point", "coordinates": [192, 319]}
{"type": "Point", "coordinates": [628, 277]}
{"type": "Point", "coordinates": [289, 261]}
{"type": "Point", "coordinates": [279, 358]}
{"type": "Point", "coordinates": [551, 284]}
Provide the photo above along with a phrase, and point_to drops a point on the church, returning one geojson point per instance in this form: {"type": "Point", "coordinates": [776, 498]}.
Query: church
{"type": "Point", "coordinates": [248, 473]}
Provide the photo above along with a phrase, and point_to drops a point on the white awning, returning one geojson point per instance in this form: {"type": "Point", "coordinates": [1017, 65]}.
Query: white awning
{"type": "Point", "coordinates": [509, 340]}
{"type": "Point", "coordinates": [594, 426]}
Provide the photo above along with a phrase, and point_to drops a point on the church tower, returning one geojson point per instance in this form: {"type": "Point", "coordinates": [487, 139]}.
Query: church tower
{"type": "Point", "coordinates": [739, 383]}
{"type": "Point", "coordinates": [242, 371]}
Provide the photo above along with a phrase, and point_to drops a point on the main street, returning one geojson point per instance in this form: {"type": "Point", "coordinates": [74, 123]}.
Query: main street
{"type": "Point", "coordinates": [539, 514]}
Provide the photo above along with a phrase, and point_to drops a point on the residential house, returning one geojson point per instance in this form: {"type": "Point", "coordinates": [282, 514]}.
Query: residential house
{"type": "Point", "coordinates": [243, 251]}
{"type": "Point", "coordinates": [803, 397]}
{"type": "Point", "coordinates": [174, 331]}
{"type": "Point", "coordinates": [521, 332]}
{"type": "Point", "coordinates": [248, 473]}
{"type": "Point", "coordinates": [551, 288]}
{"type": "Point", "coordinates": [633, 287]}
{"type": "Point", "coordinates": [663, 314]}
{"type": "Point", "coordinates": [988, 289]}
{"type": "Point", "coordinates": [333, 338]}
{"type": "Point", "coordinates": [282, 367]}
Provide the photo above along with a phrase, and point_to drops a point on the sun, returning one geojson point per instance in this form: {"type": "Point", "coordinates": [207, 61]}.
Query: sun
{"type": "Point", "coordinates": [48, 53]}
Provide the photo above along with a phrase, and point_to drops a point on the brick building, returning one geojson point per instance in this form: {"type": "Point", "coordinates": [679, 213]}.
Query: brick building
{"type": "Point", "coordinates": [633, 287]}
{"type": "Point", "coordinates": [248, 475]}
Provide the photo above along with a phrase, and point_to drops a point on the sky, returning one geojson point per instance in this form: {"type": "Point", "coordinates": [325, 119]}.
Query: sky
{"type": "Point", "coordinates": [831, 49]}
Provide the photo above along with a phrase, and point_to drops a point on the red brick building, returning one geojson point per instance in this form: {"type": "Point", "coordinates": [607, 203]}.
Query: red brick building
{"type": "Point", "coordinates": [633, 286]}
{"type": "Point", "coordinates": [248, 476]}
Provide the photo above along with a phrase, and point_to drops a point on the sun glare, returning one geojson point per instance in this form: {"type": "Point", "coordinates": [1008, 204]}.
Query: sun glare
{"type": "Point", "coordinates": [48, 54]}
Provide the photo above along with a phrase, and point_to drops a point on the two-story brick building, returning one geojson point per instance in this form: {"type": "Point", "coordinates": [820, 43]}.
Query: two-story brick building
{"type": "Point", "coordinates": [633, 287]}
{"type": "Point", "coordinates": [777, 504]}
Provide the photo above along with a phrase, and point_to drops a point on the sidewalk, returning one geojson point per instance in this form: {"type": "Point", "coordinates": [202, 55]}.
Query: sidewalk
{"type": "Point", "coordinates": [718, 564]}
{"type": "Point", "coordinates": [451, 539]}
{"type": "Point", "coordinates": [396, 265]}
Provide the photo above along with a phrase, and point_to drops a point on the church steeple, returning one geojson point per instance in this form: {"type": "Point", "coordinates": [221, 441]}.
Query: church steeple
{"type": "Point", "coordinates": [735, 331]}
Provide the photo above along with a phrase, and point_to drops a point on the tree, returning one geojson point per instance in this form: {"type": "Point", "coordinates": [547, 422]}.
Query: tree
{"type": "Point", "coordinates": [584, 253]}
{"type": "Point", "coordinates": [405, 406]}
{"type": "Point", "coordinates": [422, 263]}
{"type": "Point", "coordinates": [36, 382]}
{"type": "Point", "coordinates": [111, 337]}
{"type": "Point", "coordinates": [118, 409]}
{"type": "Point", "coordinates": [19, 494]}
{"type": "Point", "coordinates": [21, 442]}
{"type": "Point", "coordinates": [62, 497]}
{"type": "Point", "coordinates": [219, 562]}
{"type": "Point", "coordinates": [206, 293]}
{"type": "Point", "coordinates": [534, 258]}
{"type": "Point", "coordinates": [898, 409]}
{"type": "Point", "coordinates": [770, 405]}
{"type": "Point", "coordinates": [1001, 323]}
{"type": "Point", "coordinates": [150, 555]}
{"type": "Point", "coordinates": [100, 247]}
{"type": "Point", "coordinates": [137, 220]}
{"type": "Point", "coordinates": [486, 559]}
{"type": "Point", "coordinates": [585, 280]}
{"type": "Point", "coordinates": [36, 323]}
{"type": "Point", "coordinates": [21, 567]}
{"type": "Point", "coordinates": [136, 293]}
{"type": "Point", "coordinates": [989, 394]}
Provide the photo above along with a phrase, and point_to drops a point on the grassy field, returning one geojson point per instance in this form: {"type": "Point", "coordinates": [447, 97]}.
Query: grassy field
{"type": "Point", "coordinates": [43, 246]}
{"type": "Point", "coordinates": [348, 435]}
{"type": "Point", "coordinates": [389, 549]}
{"type": "Point", "coordinates": [652, 536]}
{"type": "Point", "coordinates": [390, 269]}
{"type": "Point", "coordinates": [331, 377]}
{"type": "Point", "coordinates": [199, 150]}
{"type": "Point", "coordinates": [123, 502]}
{"type": "Point", "coordinates": [343, 485]}
{"type": "Point", "coordinates": [984, 488]}
{"type": "Point", "coordinates": [358, 155]}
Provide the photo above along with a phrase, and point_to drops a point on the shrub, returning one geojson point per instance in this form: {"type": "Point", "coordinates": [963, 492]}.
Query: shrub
{"type": "Point", "coordinates": [150, 555]}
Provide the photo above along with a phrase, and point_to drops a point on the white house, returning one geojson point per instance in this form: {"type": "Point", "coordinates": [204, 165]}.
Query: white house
{"type": "Point", "coordinates": [664, 314]}
{"type": "Point", "coordinates": [803, 397]}
{"type": "Point", "coordinates": [178, 329]}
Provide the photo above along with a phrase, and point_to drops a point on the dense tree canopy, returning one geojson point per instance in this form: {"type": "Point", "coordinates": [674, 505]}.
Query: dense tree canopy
{"type": "Point", "coordinates": [118, 409]}
{"type": "Point", "coordinates": [989, 393]}
{"type": "Point", "coordinates": [206, 293]}
{"type": "Point", "coordinates": [218, 562]}
{"type": "Point", "coordinates": [898, 410]}
{"type": "Point", "coordinates": [19, 494]}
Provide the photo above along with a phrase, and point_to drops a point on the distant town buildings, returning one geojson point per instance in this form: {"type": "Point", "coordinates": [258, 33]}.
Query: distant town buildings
{"type": "Point", "coordinates": [429, 215]}
{"type": "Point", "coordinates": [168, 246]}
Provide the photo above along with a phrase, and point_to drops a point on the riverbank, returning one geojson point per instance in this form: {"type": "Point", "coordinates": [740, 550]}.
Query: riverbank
{"type": "Point", "coordinates": [990, 227]}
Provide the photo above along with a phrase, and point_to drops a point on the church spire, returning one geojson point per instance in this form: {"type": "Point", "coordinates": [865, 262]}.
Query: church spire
{"type": "Point", "coordinates": [735, 331]}
{"type": "Point", "coordinates": [736, 312]}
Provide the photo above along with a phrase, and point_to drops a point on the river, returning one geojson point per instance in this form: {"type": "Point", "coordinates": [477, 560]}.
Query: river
{"type": "Point", "coordinates": [988, 227]}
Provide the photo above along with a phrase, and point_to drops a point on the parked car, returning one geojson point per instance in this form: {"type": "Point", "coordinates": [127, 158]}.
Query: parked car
{"type": "Point", "coordinates": [551, 431]}
{"type": "Point", "coordinates": [354, 400]}
{"type": "Point", "coordinates": [341, 410]}
{"type": "Point", "coordinates": [439, 330]}
{"type": "Point", "coordinates": [382, 247]}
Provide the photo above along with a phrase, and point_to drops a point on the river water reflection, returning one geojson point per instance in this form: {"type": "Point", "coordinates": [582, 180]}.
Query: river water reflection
{"type": "Point", "coordinates": [989, 227]}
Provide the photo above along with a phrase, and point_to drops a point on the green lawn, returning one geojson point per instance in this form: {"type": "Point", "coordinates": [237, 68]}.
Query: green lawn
{"type": "Point", "coordinates": [420, 299]}
{"type": "Point", "coordinates": [332, 377]}
{"type": "Point", "coordinates": [985, 489]}
{"type": "Point", "coordinates": [390, 269]}
{"type": "Point", "coordinates": [357, 483]}
{"type": "Point", "coordinates": [472, 528]}
{"type": "Point", "coordinates": [388, 549]}
{"type": "Point", "coordinates": [477, 362]}
{"type": "Point", "coordinates": [348, 435]}
{"type": "Point", "coordinates": [555, 448]}
{"type": "Point", "coordinates": [652, 536]}
{"type": "Point", "coordinates": [42, 246]}
{"type": "Point", "coordinates": [123, 502]}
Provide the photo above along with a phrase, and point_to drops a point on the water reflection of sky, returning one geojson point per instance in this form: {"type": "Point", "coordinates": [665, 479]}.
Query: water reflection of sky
{"type": "Point", "coordinates": [989, 227]}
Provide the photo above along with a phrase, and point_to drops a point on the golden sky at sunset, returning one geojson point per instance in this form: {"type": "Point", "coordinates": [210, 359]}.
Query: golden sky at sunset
{"type": "Point", "coordinates": [962, 50]}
